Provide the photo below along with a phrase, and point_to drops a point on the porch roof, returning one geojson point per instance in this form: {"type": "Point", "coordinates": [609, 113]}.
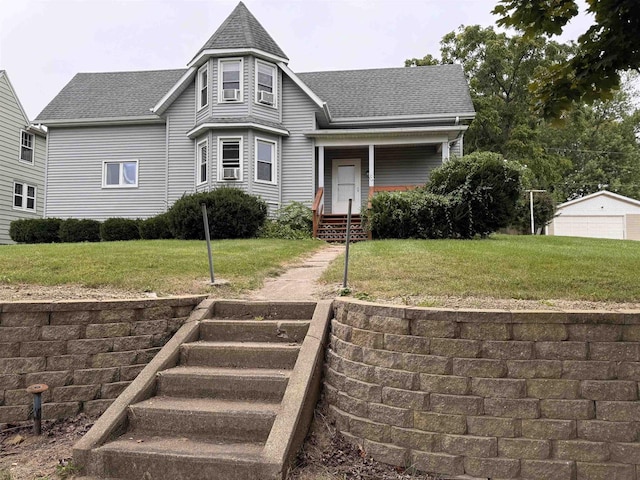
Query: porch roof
{"type": "Point", "coordinates": [379, 136]}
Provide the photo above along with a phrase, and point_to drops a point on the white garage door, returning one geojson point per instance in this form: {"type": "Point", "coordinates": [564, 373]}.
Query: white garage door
{"type": "Point", "coordinates": [595, 227]}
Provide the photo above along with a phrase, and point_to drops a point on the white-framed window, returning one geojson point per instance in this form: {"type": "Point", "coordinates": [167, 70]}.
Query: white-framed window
{"type": "Point", "coordinates": [120, 174]}
{"type": "Point", "coordinates": [265, 83]}
{"type": "Point", "coordinates": [27, 146]}
{"type": "Point", "coordinates": [265, 155]}
{"type": "Point", "coordinates": [230, 159]}
{"type": "Point", "coordinates": [202, 162]}
{"type": "Point", "coordinates": [24, 197]}
{"type": "Point", "coordinates": [230, 79]}
{"type": "Point", "coordinates": [203, 86]}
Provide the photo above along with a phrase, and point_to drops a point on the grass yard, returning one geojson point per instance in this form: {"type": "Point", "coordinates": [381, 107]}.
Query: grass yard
{"type": "Point", "coordinates": [505, 267]}
{"type": "Point", "coordinates": [161, 266]}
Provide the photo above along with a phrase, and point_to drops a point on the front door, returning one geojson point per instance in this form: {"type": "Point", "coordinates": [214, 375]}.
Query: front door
{"type": "Point", "coordinates": [345, 184]}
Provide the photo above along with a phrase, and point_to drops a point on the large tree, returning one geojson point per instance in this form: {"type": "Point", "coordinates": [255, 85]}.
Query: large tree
{"type": "Point", "coordinates": [607, 48]}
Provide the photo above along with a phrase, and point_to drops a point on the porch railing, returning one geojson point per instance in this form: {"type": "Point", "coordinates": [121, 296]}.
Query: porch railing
{"type": "Point", "coordinates": [389, 188]}
{"type": "Point", "coordinates": [318, 210]}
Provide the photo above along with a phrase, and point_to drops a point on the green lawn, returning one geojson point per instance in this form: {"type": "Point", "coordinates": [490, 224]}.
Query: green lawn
{"type": "Point", "coordinates": [161, 266]}
{"type": "Point", "coordinates": [512, 267]}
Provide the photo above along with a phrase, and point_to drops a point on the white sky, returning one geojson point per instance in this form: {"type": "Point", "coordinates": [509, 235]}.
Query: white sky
{"type": "Point", "coordinates": [44, 43]}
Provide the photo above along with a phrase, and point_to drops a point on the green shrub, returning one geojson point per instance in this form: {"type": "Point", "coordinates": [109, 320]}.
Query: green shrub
{"type": "Point", "coordinates": [155, 228]}
{"type": "Point", "coordinates": [35, 230]}
{"type": "Point", "coordinates": [232, 213]}
{"type": "Point", "coordinates": [293, 222]}
{"type": "Point", "coordinates": [73, 230]}
{"type": "Point", "coordinates": [115, 229]}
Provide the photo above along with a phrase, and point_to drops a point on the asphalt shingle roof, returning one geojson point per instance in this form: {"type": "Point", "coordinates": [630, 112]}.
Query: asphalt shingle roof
{"type": "Point", "coordinates": [110, 95]}
{"type": "Point", "coordinates": [242, 30]}
{"type": "Point", "coordinates": [437, 89]}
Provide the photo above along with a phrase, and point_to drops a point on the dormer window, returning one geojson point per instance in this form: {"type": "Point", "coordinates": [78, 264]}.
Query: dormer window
{"type": "Point", "coordinates": [231, 80]}
{"type": "Point", "coordinates": [203, 87]}
{"type": "Point", "coordinates": [265, 83]}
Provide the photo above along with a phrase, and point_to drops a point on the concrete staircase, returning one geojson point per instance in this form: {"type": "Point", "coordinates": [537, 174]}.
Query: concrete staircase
{"type": "Point", "coordinates": [333, 228]}
{"type": "Point", "coordinates": [229, 397]}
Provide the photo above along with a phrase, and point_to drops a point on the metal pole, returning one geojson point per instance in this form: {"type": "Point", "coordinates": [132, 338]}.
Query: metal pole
{"type": "Point", "coordinates": [346, 254]}
{"type": "Point", "coordinates": [37, 390]}
{"type": "Point", "coordinates": [205, 218]}
{"type": "Point", "coordinates": [533, 227]}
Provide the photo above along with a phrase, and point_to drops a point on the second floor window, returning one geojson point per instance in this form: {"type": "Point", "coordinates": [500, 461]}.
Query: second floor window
{"type": "Point", "coordinates": [231, 80]}
{"type": "Point", "coordinates": [203, 87]}
{"type": "Point", "coordinates": [26, 146]}
{"type": "Point", "coordinates": [265, 83]}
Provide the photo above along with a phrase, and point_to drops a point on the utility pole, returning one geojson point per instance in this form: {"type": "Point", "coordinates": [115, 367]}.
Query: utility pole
{"type": "Point", "coordinates": [533, 225]}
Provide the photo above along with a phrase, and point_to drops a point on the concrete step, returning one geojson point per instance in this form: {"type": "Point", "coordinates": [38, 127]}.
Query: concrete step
{"type": "Point", "coordinates": [212, 419]}
{"type": "Point", "coordinates": [258, 384]}
{"type": "Point", "coordinates": [239, 354]}
{"type": "Point", "coordinates": [134, 457]}
{"type": "Point", "coordinates": [254, 330]}
{"type": "Point", "coordinates": [237, 309]}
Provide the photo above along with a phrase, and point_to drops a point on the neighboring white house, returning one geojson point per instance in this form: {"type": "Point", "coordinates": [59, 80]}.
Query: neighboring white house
{"type": "Point", "coordinates": [599, 215]}
{"type": "Point", "coordinates": [22, 162]}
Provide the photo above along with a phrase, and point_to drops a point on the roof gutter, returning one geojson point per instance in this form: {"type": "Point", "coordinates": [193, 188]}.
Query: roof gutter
{"type": "Point", "coordinates": [194, 132]}
{"type": "Point", "coordinates": [84, 122]}
{"type": "Point", "coordinates": [432, 118]}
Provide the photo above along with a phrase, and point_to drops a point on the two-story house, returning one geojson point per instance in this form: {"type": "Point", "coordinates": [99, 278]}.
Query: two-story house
{"type": "Point", "coordinates": [22, 162]}
{"type": "Point", "coordinates": [131, 143]}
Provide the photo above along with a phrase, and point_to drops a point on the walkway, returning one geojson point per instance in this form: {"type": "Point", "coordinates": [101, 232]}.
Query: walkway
{"type": "Point", "coordinates": [299, 282]}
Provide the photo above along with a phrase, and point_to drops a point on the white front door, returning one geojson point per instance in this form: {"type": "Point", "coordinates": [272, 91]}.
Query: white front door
{"type": "Point", "coordinates": [345, 185]}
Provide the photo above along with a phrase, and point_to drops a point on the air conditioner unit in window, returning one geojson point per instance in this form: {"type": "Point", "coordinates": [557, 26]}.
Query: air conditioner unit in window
{"type": "Point", "coordinates": [230, 173]}
{"type": "Point", "coordinates": [265, 97]}
{"type": "Point", "coordinates": [230, 94]}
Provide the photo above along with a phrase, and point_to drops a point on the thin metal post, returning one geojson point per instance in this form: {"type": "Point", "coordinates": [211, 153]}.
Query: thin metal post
{"type": "Point", "coordinates": [533, 226]}
{"type": "Point", "coordinates": [37, 390]}
{"type": "Point", "coordinates": [205, 218]}
{"type": "Point", "coordinates": [346, 254]}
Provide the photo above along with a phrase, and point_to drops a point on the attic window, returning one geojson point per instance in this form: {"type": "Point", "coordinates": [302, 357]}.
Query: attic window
{"type": "Point", "coordinates": [231, 80]}
{"type": "Point", "coordinates": [203, 87]}
{"type": "Point", "coordinates": [26, 146]}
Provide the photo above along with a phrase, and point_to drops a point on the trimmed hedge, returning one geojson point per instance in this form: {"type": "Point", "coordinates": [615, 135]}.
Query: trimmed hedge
{"type": "Point", "coordinates": [115, 229]}
{"type": "Point", "coordinates": [74, 230]}
{"type": "Point", "coordinates": [35, 230]}
{"type": "Point", "coordinates": [232, 213]}
{"type": "Point", "coordinates": [155, 228]}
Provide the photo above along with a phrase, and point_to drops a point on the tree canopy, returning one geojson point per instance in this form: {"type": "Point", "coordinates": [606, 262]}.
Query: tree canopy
{"type": "Point", "coordinates": [592, 72]}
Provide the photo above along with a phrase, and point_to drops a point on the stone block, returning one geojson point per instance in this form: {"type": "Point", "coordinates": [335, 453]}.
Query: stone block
{"type": "Point", "coordinates": [438, 462]}
{"type": "Point", "coordinates": [95, 408]}
{"type": "Point", "coordinates": [433, 328]}
{"type": "Point", "coordinates": [343, 332]}
{"type": "Point", "coordinates": [378, 432]}
{"type": "Point", "coordinates": [331, 377]}
{"type": "Point", "coordinates": [40, 349]}
{"type": "Point", "coordinates": [629, 371]}
{"type": "Point", "coordinates": [534, 368]}
{"type": "Point", "coordinates": [383, 452]}
{"type": "Point", "coordinates": [95, 375]}
{"type": "Point", "coordinates": [140, 342]}
{"type": "Point", "coordinates": [595, 333]}
{"type": "Point", "coordinates": [601, 431]}
{"type": "Point", "coordinates": [67, 362]}
{"type": "Point", "coordinates": [22, 397]}
{"type": "Point", "coordinates": [150, 327]}
{"type": "Point", "coordinates": [469, 445]}
{"type": "Point", "coordinates": [413, 439]}
{"type": "Point", "coordinates": [348, 351]}
{"type": "Point", "coordinates": [52, 411]}
{"type": "Point", "coordinates": [550, 388]}
{"type": "Point", "coordinates": [492, 426]}
{"type": "Point", "coordinates": [448, 384]}
{"type": "Point", "coordinates": [625, 452]}
{"type": "Point", "coordinates": [61, 332]}
{"type": "Point", "coordinates": [631, 333]}
{"type": "Point", "coordinates": [51, 378]}
{"type": "Point", "coordinates": [112, 390]}
{"type": "Point", "coordinates": [9, 350]}
{"type": "Point", "coordinates": [561, 350]}
{"type": "Point", "coordinates": [114, 359]}
{"type": "Point", "coordinates": [581, 450]}
{"type": "Point", "coordinates": [118, 315]}
{"type": "Point", "coordinates": [13, 414]}
{"type": "Point", "coordinates": [366, 338]}
{"type": "Point", "coordinates": [456, 404]}
{"type": "Point", "coordinates": [399, 417]}
{"type": "Point", "coordinates": [590, 370]}
{"type": "Point", "coordinates": [355, 319]}
{"type": "Point", "coordinates": [605, 471]}
{"type": "Point", "coordinates": [368, 392]}
{"type": "Point", "coordinates": [549, 429]}
{"type": "Point", "coordinates": [512, 407]}
{"type": "Point", "coordinates": [439, 422]}
{"type": "Point", "coordinates": [618, 411]}
{"type": "Point", "coordinates": [540, 332]}
{"type": "Point", "coordinates": [547, 469]}
{"type": "Point", "coordinates": [405, 398]}
{"type": "Point", "coordinates": [567, 409]}
{"type": "Point", "coordinates": [24, 319]}
{"type": "Point", "coordinates": [157, 313]}
{"type": "Point", "coordinates": [19, 334]}
{"type": "Point", "coordinates": [402, 379]}
{"type": "Point", "coordinates": [340, 418]}
{"type": "Point", "coordinates": [510, 350]}
{"type": "Point", "coordinates": [384, 324]}
{"type": "Point", "coordinates": [498, 387]}
{"type": "Point", "coordinates": [334, 361]}
{"type": "Point", "coordinates": [382, 358]}
{"type": "Point", "coordinates": [75, 393]}
{"type": "Point", "coordinates": [610, 390]}
{"type": "Point", "coordinates": [130, 372]}
{"type": "Point", "coordinates": [352, 406]}
{"type": "Point", "coordinates": [524, 448]}
{"type": "Point", "coordinates": [143, 356]}
{"type": "Point", "coordinates": [18, 365]}
{"type": "Point", "coordinates": [427, 364]}
{"type": "Point", "coordinates": [454, 347]}
{"type": "Point", "coordinates": [73, 317]}
{"type": "Point", "coordinates": [479, 367]}
{"type": "Point", "coordinates": [107, 330]}
{"type": "Point", "coordinates": [492, 467]}
{"type": "Point", "coordinates": [11, 382]}
{"type": "Point", "coordinates": [615, 351]}
{"type": "Point", "coordinates": [89, 346]}
{"type": "Point", "coordinates": [406, 343]}
{"type": "Point", "coordinates": [485, 331]}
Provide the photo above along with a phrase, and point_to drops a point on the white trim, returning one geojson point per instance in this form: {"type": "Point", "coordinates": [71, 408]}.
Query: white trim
{"type": "Point", "coordinates": [274, 68]}
{"type": "Point", "coordinates": [25, 197]}
{"type": "Point", "coordinates": [200, 181]}
{"type": "Point", "coordinates": [366, 141]}
{"type": "Point", "coordinates": [274, 161]}
{"type": "Point", "coordinates": [320, 167]}
{"type": "Point", "coordinates": [256, 126]}
{"type": "Point", "coordinates": [356, 205]}
{"type": "Point", "coordinates": [241, 79]}
{"type": "Point", "coordinates": [240, 141]}
{"type": "Point", "coordinates": [454, 118]}
{"type": "Point", "coordinates": [160, 107]}
{"type": "Point", "coordinates": [216, 52]}
{"type": "Point", "coordinates": [372, 166]}
{"type": "Point", "coordinates": [386, 131]}
{"type": "Point", "coordinates": [303, 86]}
{"type": "Point", "coordinates": [597, 194]}
{"type": "Point", "coordinates": [33, 148]}
{"type": "Point", "coordinates": [77, 122]}
{"type": "Point", "coordinates": [199, 87]}
{"type": "Point", "coordinates": [120, 185]}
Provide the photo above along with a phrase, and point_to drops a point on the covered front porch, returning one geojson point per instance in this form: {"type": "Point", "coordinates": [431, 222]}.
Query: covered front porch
{"type": "Point", "coordinates": [356, 165]}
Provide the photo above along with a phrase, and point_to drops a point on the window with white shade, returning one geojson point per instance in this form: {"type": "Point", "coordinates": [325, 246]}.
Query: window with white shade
{"type": "Point", "coordinates": [121, 174]}
{"type": "Point", "coordinates": [265, 161]}
{"type": "Point", "coordinates": [24, 197]}
{"type": "Point", "coordinates": [27, 141]}
{"type": "Point", "coordinates": [265, 83]}
{"type": "Point", "coordinates": [203, 87]}
{"type": "Point", "coordinates": [230, 80]}
{"type": "Point", "coordinates": [230, 155]}
{"type": "Point", "coordinates": [203, 161]}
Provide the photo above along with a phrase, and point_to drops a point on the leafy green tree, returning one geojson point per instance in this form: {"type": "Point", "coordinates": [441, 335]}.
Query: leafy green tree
{"type": "Point", "coordinates": [608, 47]}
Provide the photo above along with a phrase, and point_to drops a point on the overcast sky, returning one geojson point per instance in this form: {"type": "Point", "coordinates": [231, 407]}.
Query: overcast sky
{"type": "Point", "coordinates": [44, 43]}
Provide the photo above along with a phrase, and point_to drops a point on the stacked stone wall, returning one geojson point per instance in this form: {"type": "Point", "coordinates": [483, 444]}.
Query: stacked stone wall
{"type": "Point", "coordinates": [86, 352]}
{"type": "Point", "coordinates": [489, 394]}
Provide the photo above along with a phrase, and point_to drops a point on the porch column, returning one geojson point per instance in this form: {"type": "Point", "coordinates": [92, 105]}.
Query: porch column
{"type": "Point", "coordinates": [371, 167]}
{"type": "Point", "coordinates": [320, 167]}
{"type": "Point", "coordinates": [445, 151]}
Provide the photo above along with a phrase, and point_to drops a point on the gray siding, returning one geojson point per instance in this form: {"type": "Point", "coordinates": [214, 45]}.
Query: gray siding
{"type": "Point", "coordinates": [74, 176]}
{"type": "Point", "coordinates": [231, 109]}
{"type": "Point", "coordinates": [456, 149]}
{"type": "Point", "coordinates": [298, 164]}
{"type": "Point", "coordinates": [12, 121]}
{"type": "Point", "coordinates": [181, 149]}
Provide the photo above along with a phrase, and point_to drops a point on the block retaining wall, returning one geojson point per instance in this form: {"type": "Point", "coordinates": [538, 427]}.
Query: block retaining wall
{"type": "Point", "coordinates": [86, 351]}
{"type": "Point", "coordinates": [489, 394]}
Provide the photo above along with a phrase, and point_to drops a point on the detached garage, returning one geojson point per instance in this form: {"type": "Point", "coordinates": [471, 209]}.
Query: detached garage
{"type": "Point", "coordinates": [599, 215]}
